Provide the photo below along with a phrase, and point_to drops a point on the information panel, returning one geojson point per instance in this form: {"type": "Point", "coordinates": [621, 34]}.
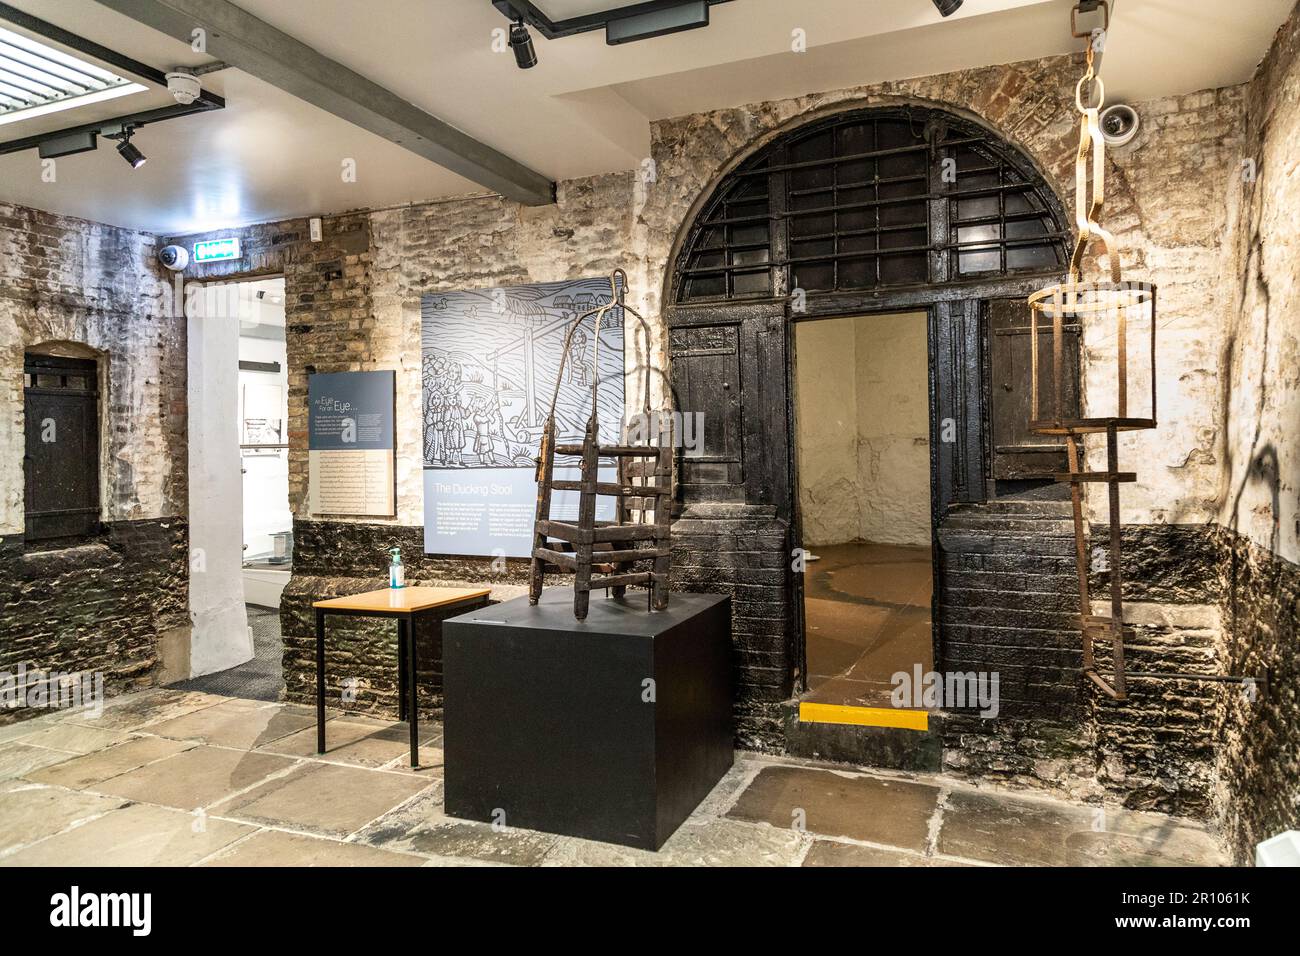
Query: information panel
{"type": "Point", "coordinates": [491, 359]}
{"type": "Point", "coordinates": [350, 443]}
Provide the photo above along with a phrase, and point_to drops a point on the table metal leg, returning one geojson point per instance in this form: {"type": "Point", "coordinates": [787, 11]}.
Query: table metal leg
{"type": "Point", "coordinates": [320, 680]}
{"type": "Point", "coordinates": [412, 710]}
{"type": "Point", "coordinates": [401, 672]}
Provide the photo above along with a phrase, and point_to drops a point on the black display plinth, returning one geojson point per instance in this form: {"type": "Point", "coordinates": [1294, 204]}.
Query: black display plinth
{"type": "Point", "coordinates": [613, 728]}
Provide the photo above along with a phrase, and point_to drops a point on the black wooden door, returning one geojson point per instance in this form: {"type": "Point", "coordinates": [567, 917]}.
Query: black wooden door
{"type": "Point", "coordinates": [729, 370]}
{"type": "Point", "coordinates": [957, 403]}
{"type": "Point", "coordinates": [708, 386]}
{"type": "Point", "coordinates": [1018, 453]}
{"type": "Point", "coordinates": [61, 457]}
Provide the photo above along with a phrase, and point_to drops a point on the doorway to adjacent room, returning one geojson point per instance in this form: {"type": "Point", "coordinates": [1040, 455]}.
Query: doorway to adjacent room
{"type": "Point", "coordinates": [864, 478]}
{"type": "Point", "coordinates": [239, 380]}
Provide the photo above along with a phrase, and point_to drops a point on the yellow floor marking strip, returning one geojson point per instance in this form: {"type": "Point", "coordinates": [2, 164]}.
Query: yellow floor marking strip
{"type": "Point", "coordinates": [864, 716]}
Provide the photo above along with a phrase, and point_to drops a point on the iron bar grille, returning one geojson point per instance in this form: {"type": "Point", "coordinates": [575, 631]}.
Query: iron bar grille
{"type": "Point", "coordinates": [871, 199]}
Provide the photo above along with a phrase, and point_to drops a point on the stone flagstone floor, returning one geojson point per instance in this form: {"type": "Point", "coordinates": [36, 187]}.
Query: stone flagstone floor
{"type": "Point", "coordinates": [180, 778]}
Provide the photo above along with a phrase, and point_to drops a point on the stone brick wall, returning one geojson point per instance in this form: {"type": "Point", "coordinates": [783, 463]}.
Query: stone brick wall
{"type": "Point", "coordinates": [329, 325]}
{"type": "Point", "coordinates": [1167, 202]}
{"type": "Point", "coordinates": [353, 303]}
{"type": "Point", "coordinates": [1156, 750]}
{"type": "Point", "coordinates": [82, 288]}
{"type": "Point", "coordinates": [1260, 491]}
{"type": "Point", "coordinates": [101, 607]}
{"type": "Point", "coordinates": [1009, 603]}
{"type": "Point", "coordinates": [1259, 739]}
{"type": "Point", "coordinates": [1207, 600]}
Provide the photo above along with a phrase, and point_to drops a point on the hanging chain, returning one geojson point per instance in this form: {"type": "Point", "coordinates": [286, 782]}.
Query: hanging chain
{"type": "Point", "coordinates": [1091, 147]}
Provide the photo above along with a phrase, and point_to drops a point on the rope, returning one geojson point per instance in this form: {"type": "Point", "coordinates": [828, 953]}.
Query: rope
{"type": "Point", "coordinates": [617, 287]}
{"type": "Point", "coordinates": [1091, 146]}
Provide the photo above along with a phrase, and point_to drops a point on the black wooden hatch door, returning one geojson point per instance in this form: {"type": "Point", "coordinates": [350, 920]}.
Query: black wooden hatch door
{"type": "Point", "coordinates": [729, 373]}
{"type": "Point", "coordinates": [1018, 453]}
{"type": "Point", "coordinates": [61, 457]}
{"type": "Point", "coordinates": [708, 386]}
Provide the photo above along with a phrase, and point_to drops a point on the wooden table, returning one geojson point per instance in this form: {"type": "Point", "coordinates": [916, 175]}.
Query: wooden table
{"type": "Point", "coordinates": [408, 605]}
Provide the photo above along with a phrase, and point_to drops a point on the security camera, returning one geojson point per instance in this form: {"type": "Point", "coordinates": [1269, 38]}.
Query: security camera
{"type": "Point", "coordinates": [183, 86]}
{"type": "Point", "coordinates": [1119, 124]}
{"type": "Point", "coordinates": [175, 258]}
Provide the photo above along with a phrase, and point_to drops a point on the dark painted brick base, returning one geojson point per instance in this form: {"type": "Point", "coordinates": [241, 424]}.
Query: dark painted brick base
{"type": "Point", "coordinates": [1174, 563]}
{"type": "Point", "coordinates": [1258, 740]}
{"type": "Point", "coordinates": [1011, 604]}
{"type": "Point", "coordinates": [1008, 603]}
{"type": "Point", "coordinates": [99, 607]}
{"type": "Point", "coordinates": [744, 551]}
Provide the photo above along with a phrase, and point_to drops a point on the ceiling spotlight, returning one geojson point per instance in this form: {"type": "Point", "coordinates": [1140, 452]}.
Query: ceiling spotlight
{"type": "Point", "coordinates": [128, 151]}
{"type": "Point", "coordinates": [623, 23]}
{"type": "Point", "coordinates": [522, 44]}
{"type": "Point", "coordinates": [947, 8]}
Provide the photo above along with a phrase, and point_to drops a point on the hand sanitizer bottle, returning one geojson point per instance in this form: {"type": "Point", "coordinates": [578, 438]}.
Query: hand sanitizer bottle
{"type": "Point", "coordinates": [396, 573]}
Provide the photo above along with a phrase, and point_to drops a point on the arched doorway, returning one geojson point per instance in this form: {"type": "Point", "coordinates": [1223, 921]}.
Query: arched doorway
{"type": "Point", "coordinates": [867, 212]}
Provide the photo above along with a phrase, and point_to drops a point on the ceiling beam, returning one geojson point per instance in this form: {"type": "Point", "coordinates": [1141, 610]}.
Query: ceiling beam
{"type": "Point", "coordinates": [259, 49]}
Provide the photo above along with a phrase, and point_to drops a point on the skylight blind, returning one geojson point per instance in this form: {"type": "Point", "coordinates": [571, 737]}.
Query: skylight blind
{"type": "Point", "coordinates": [36, 79]}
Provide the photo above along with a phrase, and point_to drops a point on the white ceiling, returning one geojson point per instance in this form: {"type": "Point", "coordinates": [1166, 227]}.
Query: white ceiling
{"type": "Point", "coordinates": [585, 109]}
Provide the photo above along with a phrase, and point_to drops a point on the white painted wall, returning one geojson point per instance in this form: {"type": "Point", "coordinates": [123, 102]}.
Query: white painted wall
{"type": "Point", "coordinates": [220, 637]}
{"type": "Point", "coordinates": [863, 442]}
{"type": "Point", "coordinates": [266, 475]}
{"type": "Point", "coordinates": [1260, 457]}
{"type": "Point", "coordinates": [827, 443]}
{"type": "Point", "coordinates": [894, 428]}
